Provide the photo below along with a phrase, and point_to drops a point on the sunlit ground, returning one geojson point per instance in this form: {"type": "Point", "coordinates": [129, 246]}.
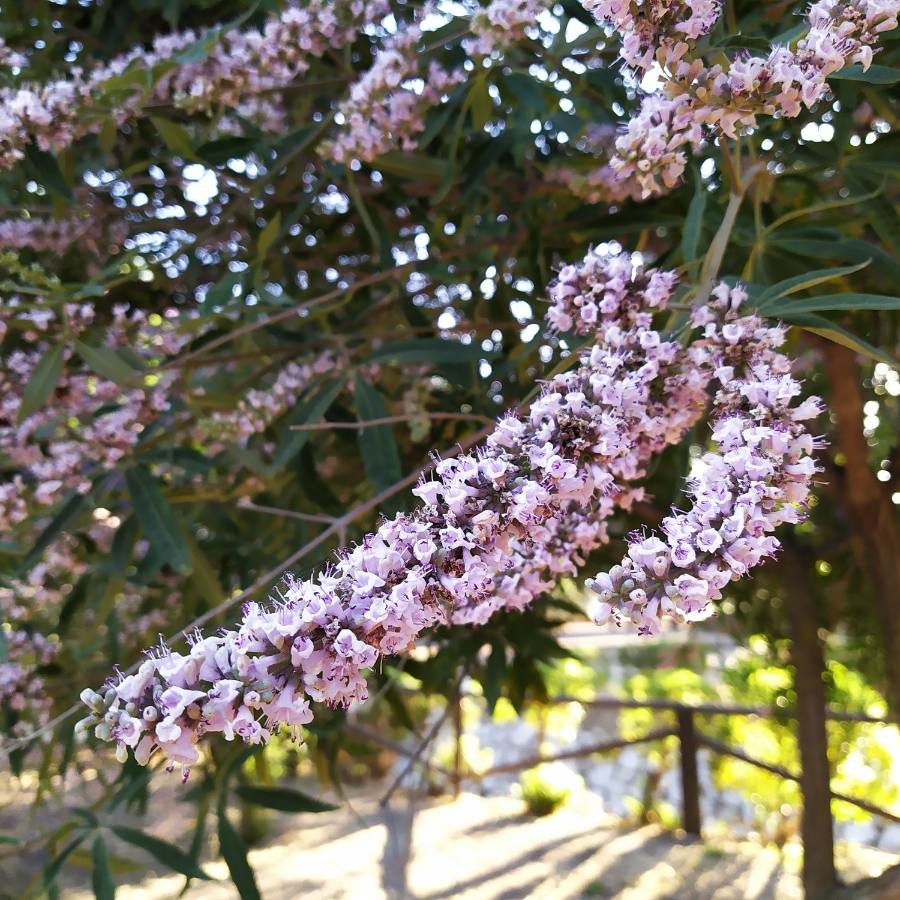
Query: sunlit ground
{"type": "Point", "coordinates": [487, 848]}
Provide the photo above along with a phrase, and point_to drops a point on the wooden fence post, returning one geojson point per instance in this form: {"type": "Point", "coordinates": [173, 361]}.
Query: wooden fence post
{"type": "Point", "coordinates": [690, 781]}
{"type": "Point", "coordinates": [458, 736]}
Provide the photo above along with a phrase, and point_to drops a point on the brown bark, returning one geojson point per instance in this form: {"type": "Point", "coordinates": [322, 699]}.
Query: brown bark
{"type": "Point", "coordinates": [808, 659]}
{"type": "Point", "coordinates": [867, 503]}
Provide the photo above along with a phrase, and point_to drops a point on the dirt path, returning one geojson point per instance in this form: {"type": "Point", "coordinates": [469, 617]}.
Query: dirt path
{"type": "Point", "coordinates": [485, 848]}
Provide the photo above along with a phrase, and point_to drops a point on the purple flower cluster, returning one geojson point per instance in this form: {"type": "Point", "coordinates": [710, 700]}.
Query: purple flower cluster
{"type": "Point", "coordinates": [656, 30]}
{"type": "Point", "coordinates": [89, 422]}
{"type": "Point", "coordinates": [757, 479]}
{"type": "Point", "coordinates": [386, 107]}
{"type": "Point", "coordinates": [494, 529]}
{"type": "Point", "coordinates": [259, 407]}
{"type": "Point", "coordinates": [501, 23]}
{"type": "Point", "coordinates": [241, 64]}
{"type": "Point", "coordinates": [697, 99]}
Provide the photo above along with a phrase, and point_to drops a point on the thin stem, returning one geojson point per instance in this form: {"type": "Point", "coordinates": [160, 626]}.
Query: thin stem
{"type": "Point", "coordinates": [429, 737]}
{"type": "Point", "coordinates": [338, 526]}
{"type": "Point", "coordinates": [286, 513]}
{"type": "Point", "coordinates": [712, 262]}
{"type": "Point", "coordinates": [392, 420]}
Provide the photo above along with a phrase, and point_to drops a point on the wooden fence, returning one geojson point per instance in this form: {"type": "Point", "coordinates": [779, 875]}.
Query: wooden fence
{"type": "Point", "coordinates": [690, 740]}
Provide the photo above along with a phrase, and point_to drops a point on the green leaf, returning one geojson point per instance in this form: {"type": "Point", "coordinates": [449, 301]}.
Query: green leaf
{"type": "Point", "coordinates": [221, 294]}
{"type": "Point", "coordinates": [826, 329]}
{"type": "Point", "coordinates": [203, 46]}
{"type": "Point", "coordinates": [412, 166]}
{"type": "Point", "coordinates": [219, 151]}
{"type": "Point", "coordinates": [52, 870]}
{"type": "Point", "coordinates": [45, 168]}
{"type": "Point", "coordinates": [804, 281]}
{"type": "Point", "coordinates": [432, 350]}
{"type": "Point", "coordinates": [123, 546]}
{"type": "Point", "coordinates": [693, 224]}
{"type": "Point", "coordinates": [235, 855]}
{"type": "Point", "coordinates": [43, 381]}
{"type": "Point", "coordinates": [101, 878]}
{"type": "Point", "coordinates": [204, 577]}
{"type": "Point", "coordinates": [106, 362]}
{"type": "Point", "coordinates": [168, 854]}
{"type": "Point", "coordinates": [67, 513]}
{"type": "Point", "coordinates": [377, 443]}
{"type": "Point", "coordinates": [176, 137]}
{"type": "Point", "coordinates": [828, 302]}
{"type": "Point", "coordinates": [283, 799]}
{"type": "Point", "coordinates": [308, 410]}
{"type": "Point", "coordinates": [157, 520]}
{"type": "Point", "coordinates": [872, 75]}
{"type": "Point", "coordinates": [494, 675]}
{"type": "Point", "coordinates": [268, 236]}
{"type": "Point", "coordinates": [843, 250]}
{"type": "Point", "coordinates": [479, 101]}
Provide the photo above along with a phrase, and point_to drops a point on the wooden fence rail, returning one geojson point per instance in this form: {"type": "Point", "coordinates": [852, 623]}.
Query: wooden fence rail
{"type": "Point", "coordinates": [690, 740]}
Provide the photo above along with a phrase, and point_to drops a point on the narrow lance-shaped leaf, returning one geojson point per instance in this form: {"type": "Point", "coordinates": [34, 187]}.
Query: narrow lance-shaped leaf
{"type": "Point", "coordinates": [101, 877]}
{"type": "Point", "coordinates": [693, 224]}
{"type": "Point", "coordinates": [308, 410]}
{"type": "Point", "coordinates": [494, 674]}
{"type": "Point", "coordinates": [157, 519]}
{"type": "Point", "coordinates": [805, 281]}
{"type": "Point", "coordinates": [430, 350]}
{"type": "Point", "coordinates": [377, 444]}
{"type": "Point", "coordinates": [235, 854]}
{"type": "Point", "coordinates": [42, 383]}
{"type": "Point", "coordinates": [106, 362]}
{"type": "Point", "coordinates": [52, 870]}
{"type": "Point", "coordinates": [873, 75]}
{"type": "Point", "coordinates": [73, 506]}
{"type": "Point", "coordinates": [168, 854]}
{"type": "Point", "coordinates": [283, 799]}
{"type": "Point", "coordinates": [829, 302]}
{"type": "Point", "coordinates": [267, 236]}
{"type": "Point", "coordinates": [824, 328]}
{"type": "Point", "coordinates": [176, 137]}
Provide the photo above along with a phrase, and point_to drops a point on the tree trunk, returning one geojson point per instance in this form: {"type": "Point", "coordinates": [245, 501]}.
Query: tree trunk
{"type": "Point", "coordinates": [867, 503]}
{"type": "Point", "coordinates": [808, 659]}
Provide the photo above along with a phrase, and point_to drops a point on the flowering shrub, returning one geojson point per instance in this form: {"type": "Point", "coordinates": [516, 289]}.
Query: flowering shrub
{"type": "Point", "coordinates": [253, 260]}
